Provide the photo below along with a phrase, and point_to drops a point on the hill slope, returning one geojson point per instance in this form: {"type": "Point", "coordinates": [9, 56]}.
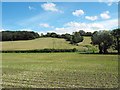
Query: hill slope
{"type": "Point", "coordinates": [42, 43]}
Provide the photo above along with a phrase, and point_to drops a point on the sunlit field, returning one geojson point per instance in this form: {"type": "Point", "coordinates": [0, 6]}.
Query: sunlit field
{"type": "Point", "coordinates": [64, 70]}
{"type": "Point", "coordinates": [60, 45]}
{"type": "Point", "coordinates": [42, 43]}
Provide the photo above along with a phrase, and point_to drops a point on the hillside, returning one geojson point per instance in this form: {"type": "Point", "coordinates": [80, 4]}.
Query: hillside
{"type": "Point", "coordinates": [42, 43]}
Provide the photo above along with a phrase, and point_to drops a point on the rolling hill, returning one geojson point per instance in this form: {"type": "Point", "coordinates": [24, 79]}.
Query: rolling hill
{"type": "Point", "coordinates": [42, 43]}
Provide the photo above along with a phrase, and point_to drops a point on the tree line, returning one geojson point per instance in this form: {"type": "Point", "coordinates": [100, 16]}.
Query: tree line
{"type": "Point", "coordinates": [18, 35]}
{"type": "Point", "coordinates": [73, 38]}
{"type": "Point", "coordinates": [104, 39]}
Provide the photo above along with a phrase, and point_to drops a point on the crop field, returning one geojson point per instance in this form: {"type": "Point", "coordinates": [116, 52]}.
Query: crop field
{"type": "Point", "coordinates": [42, 43]}
{"type": "Point", "coordinates": [59, 70]}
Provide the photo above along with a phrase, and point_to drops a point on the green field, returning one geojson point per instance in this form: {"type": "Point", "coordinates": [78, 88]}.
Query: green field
{"type": "Point", "coordinates": [57, 70]}
{"type": "Point", "coordinates": [42, 43]}
{"type": "Point", "coordinates": [48, 70]}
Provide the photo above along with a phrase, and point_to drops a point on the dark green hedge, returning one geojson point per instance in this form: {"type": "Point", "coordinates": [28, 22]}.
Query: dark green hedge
{"type": "Point", "coordinates": [40, 51]}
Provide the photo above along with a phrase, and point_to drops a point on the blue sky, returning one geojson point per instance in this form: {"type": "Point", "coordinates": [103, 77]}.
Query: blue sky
{"type": "Point", "coordinates": [59, 17]}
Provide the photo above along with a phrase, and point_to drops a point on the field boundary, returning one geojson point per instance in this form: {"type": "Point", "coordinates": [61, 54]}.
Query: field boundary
{"type": "Point", "coordinates": [39, 51]}
{"type": "Point", "coordinates": [54, 51]}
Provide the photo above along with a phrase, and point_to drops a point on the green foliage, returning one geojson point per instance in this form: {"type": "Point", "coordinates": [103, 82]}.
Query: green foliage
{"type": "Point", "coordinates": [73, 39]}
{"type": "Point", "coordinates": [54, 35]}
{"type": "Point", "coordinates": [116, 44]}
{"type": "Point", "coordinates": [18, 35]}
{"type": "Point", "coordinates": [42, 43]}
{"type": "Point", "coordinates": [83, 33]}
{"type": "Point", "coordinates": [66, 36]}
{"type": "Point", "coordinates": [103, 39]}
{"type": "Point", "coordinates": [40, 51]}
{"type": "Point", "coordinates": [76, 38]}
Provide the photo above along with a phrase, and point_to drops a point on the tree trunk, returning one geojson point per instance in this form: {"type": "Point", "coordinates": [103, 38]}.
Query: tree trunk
{"type": "Point", "coordinates": [105, 50]}
{"type": "Point", "coordinates": [118, 45]}
{"type": "Point", "coordinates": [100, 49]}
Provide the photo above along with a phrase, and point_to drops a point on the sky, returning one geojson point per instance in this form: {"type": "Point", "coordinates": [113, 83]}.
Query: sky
{"type": "Point", "coordinates": [59, 17]}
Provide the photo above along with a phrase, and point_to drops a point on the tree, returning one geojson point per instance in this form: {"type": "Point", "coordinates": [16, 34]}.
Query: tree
{"type": "Point", "coordinates": [41, 35]}
{"type": "Point", "coordinates": [88, 34]}
{"type": "Point", "coordinates": [68, 37]}
{"type": "Point", "coordinates": [54, 35]}
{"type": "Point", "coordinates": [18, 35]}
{"type": "Point", "coordinates": [76, 38]}
{"type": "Point", "coordinates": [103, 39]}
{"type": "Point", "coordinates": [82, 33]}
{"type": "Point", "coordinates": [116, 44]}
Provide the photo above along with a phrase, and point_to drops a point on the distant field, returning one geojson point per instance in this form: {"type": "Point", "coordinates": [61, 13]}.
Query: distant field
{"type": "Point", "coordinates": [86, 41]}
{"type": "Point", "coordinates": [48, 70]}
{"type": "Point", "coordinates": [42, 43]}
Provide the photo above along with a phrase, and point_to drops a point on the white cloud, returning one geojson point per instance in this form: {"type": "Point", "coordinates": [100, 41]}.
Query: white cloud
{"type": "Point", "coordinates": [110, 24]}
{"type": "Point", "coordinates": [45, 25]}
{"type": "Point", "coordinates": [2, 29]}
{"type": "Point", "coordinates": [88, 27]}
{"type": "Point", "coordinates": [78, 12]}
{"type": "Point", "coordinates": [42, 32]}
{"type": "Point", "coordinates": [111, 2]}
{"type": "Point", "coordinates": [50, 7]}
{"type": "Point", "coordinates": [108, 2]}
{"type": "Point", "coordinates": [63, 30]}
{"type": "Point", "coordinates": [31, 8]}
{"type": "Point", "coordinates": [92, 18]}
{"type": "Point", "coordinates": [105, 15]}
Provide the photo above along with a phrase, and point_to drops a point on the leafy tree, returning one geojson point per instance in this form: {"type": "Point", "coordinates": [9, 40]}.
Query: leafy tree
{"type": "Point", "coordinates": [68, 37]}
{"type": "Point", "coordinates": [103, 39]}
{"type": "Point", "coordinates": [88, 34]}
{"type": "Point", "coordinates": [48, 35]}
{"type": "Point", "coordinates": [54, 35]}
{"type": "Point", "coordinates": [116, 44]}
{"type": "Point", "coordinates": [76, 38]}
{"type": "Point", "coordinates": [42, 35]}
{"type": "Point", "coordinates": [82, 33]}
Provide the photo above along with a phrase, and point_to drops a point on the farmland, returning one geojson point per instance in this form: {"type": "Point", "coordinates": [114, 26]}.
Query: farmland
{"type": "Point", "coordinates": [59, 70]}
{"type": "Point", "coordinates": [59, 45]}
{"type": "Point", "coordinates": [42, 43]}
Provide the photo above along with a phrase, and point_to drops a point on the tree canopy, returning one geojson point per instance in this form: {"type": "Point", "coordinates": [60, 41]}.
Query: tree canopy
{"type": "Point", "coordinates": [103, 39]}
{"type": "Point", "coordinates": [18, 35]}
{"type": "Point", "coordinates": [116, 44]}
{"type": "Point", "coordinates": [76, 38]}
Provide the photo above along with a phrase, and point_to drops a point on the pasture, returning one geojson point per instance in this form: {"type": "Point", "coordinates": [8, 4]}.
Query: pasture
{"type": "Point", "coordinates": [42, 43]}
{"type": "Point", "coordinates": [59, 70]}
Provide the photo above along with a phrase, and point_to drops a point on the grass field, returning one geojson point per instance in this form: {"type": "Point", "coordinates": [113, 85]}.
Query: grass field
{"type": "Point", "coordinates": [42, 43]}
{"type": "Point", "coordinates": [48, 70]}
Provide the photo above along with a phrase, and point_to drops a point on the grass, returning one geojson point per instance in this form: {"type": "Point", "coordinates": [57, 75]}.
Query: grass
{"type": "Point", "coordinates": [86, 41]}
{"type": "Point", "coordinates": [54, 70]}
{"type": "Point", "coordinates": [42, 43]}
